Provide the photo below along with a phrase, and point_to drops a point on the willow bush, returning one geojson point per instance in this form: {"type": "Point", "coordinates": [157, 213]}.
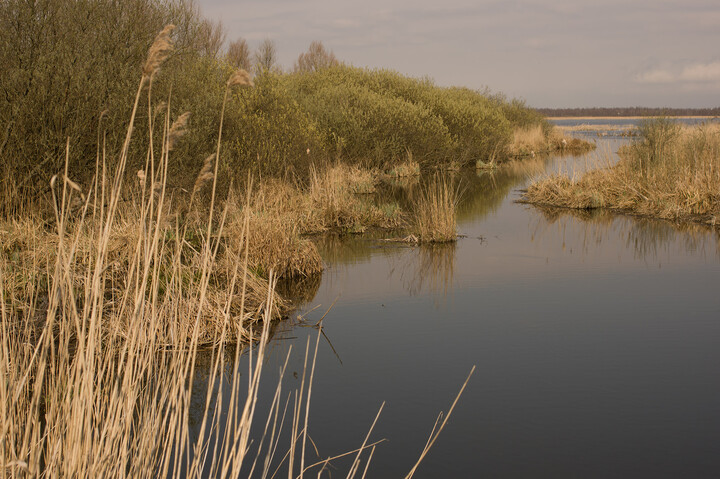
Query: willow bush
{"type": "Point", "coordinates": [67, 80]}
{"type": "Point", "coordinates": [67, 64]}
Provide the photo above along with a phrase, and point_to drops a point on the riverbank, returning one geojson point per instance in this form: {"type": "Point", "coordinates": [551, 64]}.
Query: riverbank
{"type": "Point", "coordinates": [669, 173]}
{"type": "Point", "coordinates": [136, 243]}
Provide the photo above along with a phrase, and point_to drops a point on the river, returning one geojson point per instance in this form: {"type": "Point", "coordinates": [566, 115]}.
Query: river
{"type": "Point", "coordinates": [595, 337]}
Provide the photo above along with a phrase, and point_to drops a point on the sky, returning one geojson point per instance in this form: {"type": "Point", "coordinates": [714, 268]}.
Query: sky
{"type": "Point", "coordinates": [551, 53]}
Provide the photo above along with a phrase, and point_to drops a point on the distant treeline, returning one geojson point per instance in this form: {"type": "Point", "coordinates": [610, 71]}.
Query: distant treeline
{"type": "Point", "coordinates": [629, 111]}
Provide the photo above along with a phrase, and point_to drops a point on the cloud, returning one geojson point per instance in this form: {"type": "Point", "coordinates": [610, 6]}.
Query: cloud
{"type": "Point", "coordinates": [701, 72]}
{"type": "Point", "coordinates": [695, 73]}
{"type": "Point", "coordinates": [656, 76]}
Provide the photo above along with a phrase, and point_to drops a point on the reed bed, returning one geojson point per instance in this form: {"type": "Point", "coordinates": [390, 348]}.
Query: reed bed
{"type": "Point", "coordinates": [671, 172]}
{"type": "Point", "coordinates": [102, 320]}
{"type": "Point", "coordinates": [530, 141]}
{"type": "Point", "coordinates": [434, 211]}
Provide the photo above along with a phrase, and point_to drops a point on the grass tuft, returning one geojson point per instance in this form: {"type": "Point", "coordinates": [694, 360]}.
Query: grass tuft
{"type": "Point", "coordinates": [434, 218]}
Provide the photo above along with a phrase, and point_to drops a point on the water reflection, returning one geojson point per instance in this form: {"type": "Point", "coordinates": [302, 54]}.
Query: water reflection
{"type": "Point", "coordinates": [647, 238]}
{"type": "Point", "coordinates": [299, 290]}
{"type": "Point", "coordinates": [427, 270]}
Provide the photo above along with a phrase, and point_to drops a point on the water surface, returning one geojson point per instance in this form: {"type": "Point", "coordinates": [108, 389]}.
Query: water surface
{"type": "Point", "coordinates": [596, 340]}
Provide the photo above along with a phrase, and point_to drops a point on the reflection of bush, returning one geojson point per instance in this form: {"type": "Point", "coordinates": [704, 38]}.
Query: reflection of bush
{"type": "Point", "coordinates": [300, 290]}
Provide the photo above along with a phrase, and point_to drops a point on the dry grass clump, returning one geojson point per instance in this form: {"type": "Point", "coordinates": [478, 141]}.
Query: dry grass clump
{"type": "Point", "coordinates": [406, 169]}
{"type": "Point", "coordinates": [528, 139]}
{"type": "Point", "coordinates": [434, 218]}
{"type": "Point", "coordinates": [275, 241]}
{"type": "Point", "coordinates": [569, 144]}
{"type": "Point", "coordinates": [334, 203]}
{"type": "Point", "coordinates": [671, 173]}
{"type": "Point", "coordinates": [281, 213]}
{"type": "Point", "coordinates": [533, 140]}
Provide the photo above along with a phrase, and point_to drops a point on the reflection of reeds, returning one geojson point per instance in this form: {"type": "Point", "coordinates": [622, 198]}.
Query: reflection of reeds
{"type": "Point", "coordinates": [646, 237]}
{"type": "Point", "coordinates": [435, 269]}
{"type": "Point", "coordinates": [300, 290]}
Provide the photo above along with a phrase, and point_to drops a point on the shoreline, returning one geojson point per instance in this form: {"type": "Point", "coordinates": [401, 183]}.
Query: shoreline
{"type": "Point", "coordinates": [689, 219]}
{"type": "Point", "coordinates": [627, 117]}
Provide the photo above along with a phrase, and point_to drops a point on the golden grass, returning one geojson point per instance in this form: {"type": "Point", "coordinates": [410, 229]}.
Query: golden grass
{"type": "Point", "coordinates": [672, 175]}
{"type": "Point", "coordinates": [531, 141]}
{"type": "Point", "coordinates": [434, 212]}
{"type": "Point", "coordinates": [602, 130]}
{"type": "Point", "coordinates": [406, 169]}
{"type": "Point", "coordinates": [527, 140]}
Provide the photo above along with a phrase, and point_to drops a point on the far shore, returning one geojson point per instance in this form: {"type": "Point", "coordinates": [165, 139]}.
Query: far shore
{"type": "Point", "coordinates": [625, 117]}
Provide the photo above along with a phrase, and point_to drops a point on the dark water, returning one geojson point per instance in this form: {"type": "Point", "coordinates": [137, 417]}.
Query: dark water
{"type": "Point", "coordinates": [596, 340]}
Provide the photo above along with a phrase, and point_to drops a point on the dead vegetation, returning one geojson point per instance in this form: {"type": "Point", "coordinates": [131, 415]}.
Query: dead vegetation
{"type": "Point", "coordinates": [671, 172]}
{"type": "Point", "coordinates": [534, 140]}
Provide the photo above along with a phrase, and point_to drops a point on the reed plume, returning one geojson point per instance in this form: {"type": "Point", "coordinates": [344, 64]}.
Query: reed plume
{"type": "Point", "coordinates": [240, 78]}
{"type": "Point", "coordinates": [159, 51]}
{"type": "Point", "coordinates": [205, 175]}
{"type": "Point", "coordinates": [177, 130]}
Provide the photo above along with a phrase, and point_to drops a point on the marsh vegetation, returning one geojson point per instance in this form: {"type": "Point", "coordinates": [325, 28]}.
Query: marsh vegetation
{"type": "Point", "coordinates": [670, 172]}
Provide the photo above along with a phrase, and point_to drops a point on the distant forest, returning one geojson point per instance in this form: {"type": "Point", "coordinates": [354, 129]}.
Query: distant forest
{"type": "Point", "coordinates": [629, 111]}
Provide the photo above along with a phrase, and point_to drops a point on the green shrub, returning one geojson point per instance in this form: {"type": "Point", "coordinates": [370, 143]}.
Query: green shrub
{"type": "Point", "coordinates": [365, 125]}
{"type": "Point", "coordinates": [269, 132]}
{"type": "Point", "coordinates": [479, 130]}
{"type": "Point", "coordinates": [67, 63]}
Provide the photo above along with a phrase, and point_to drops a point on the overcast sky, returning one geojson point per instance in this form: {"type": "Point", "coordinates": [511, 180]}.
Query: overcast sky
{"type": "Point", "coordinates": [552, 53]}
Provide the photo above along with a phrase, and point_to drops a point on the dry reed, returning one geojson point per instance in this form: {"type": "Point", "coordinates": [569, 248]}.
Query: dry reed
{"type": "Point", "coordinates": [677, 180]}
{"type": "Point", "coordinates": [434, 218]}
{"type": "Point", "coordinates": [531, 141]}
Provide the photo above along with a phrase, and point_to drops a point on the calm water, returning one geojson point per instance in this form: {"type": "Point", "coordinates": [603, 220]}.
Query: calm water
{"type": "Point", "coordinates": [596, 340]}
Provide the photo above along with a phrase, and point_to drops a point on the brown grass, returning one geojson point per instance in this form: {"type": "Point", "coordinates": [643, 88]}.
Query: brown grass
{"type": "Point", "coordinates": [666, 175]}
{"type": "Point", "coordinates": [526, 140]}
{"type": "Point", "coordinates": [531, 141]}
{"type": "Point", "coordinates": [102, 318]}
{"type": "Point", "coordinates": [434, 218]}
{"type": "Point", "coordinates": [406, 169]}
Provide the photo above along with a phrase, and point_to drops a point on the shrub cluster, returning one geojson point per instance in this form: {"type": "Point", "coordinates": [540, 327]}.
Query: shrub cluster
{"type": "Point", "coordinates": [68, 73]}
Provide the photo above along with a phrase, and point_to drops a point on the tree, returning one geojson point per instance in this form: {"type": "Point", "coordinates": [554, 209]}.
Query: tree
{"type": "Point", "coordinates": [209, 37]}
{"type": "Point", "coordinates": [316, 58]}
{"type": "Point", "coordinates": [238, 54]}
{"type": "Point", "coordinates": [266, 57]}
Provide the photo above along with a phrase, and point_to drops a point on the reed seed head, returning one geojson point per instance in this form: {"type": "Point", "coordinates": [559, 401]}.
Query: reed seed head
{"type": "Point", "coordinates": [206, 173]}
{"type": "Point", "coordinates": [177, 130]}
{"type": "Point", "coordinates": [241, 78]}
{"type": "Point", "coordinates": [159, 51]}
